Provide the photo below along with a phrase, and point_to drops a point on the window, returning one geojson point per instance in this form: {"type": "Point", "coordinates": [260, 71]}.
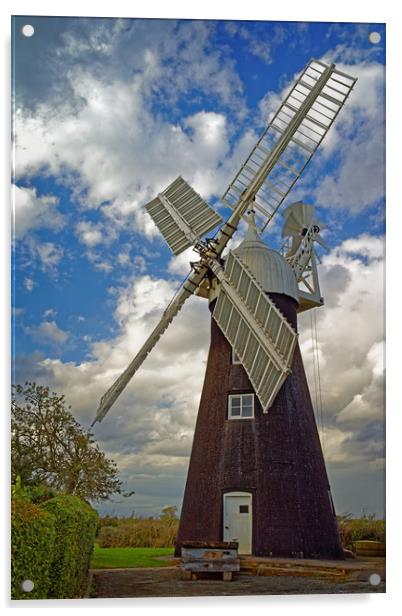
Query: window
{"type": "Point", "coordinates": [234, 358]}
{"type": "Point", "coordinates": [241, 406]}
{"type": "Point", "coordinates": [243, 508]}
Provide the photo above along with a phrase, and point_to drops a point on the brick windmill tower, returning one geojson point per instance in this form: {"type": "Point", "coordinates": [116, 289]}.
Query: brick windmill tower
{"type": "Point", "coordinates": [257, 472]}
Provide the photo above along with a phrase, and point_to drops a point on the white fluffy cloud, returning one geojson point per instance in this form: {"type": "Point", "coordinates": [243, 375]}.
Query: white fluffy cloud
{"type": "Point", "coordinates": [356, 143]}
{"type": "Point", "coordinates": [105, 140]}
{"type": "Point", "coordinates": [149, 431]}
{"type": "Point", "coordinates": [48, 332]}
{"type": "Point", "coordinates": [49, 254]}
{"type": "Point", "coordinates": [32, 211]}
{"type": "Point", "coordinates": [89, 234]}
{"type": "Point", "coordinates": [359, 181]}
{"type": "Point", "coordinates": [120, 153]}
{"type": "Point", "coordinates": [351, 334]}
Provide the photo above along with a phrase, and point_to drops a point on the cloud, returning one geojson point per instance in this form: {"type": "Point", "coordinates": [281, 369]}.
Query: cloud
{"type": "Point", "coordinates": [29, 284]}
{"type": "Point", "coordinates": [50, 312]}
{"type": "Point", "coordinates": [259, 42]}
{"type": "Point", "coordinates": [350, 330]}
{"type": "Point", "coordinates": [48, 332]}
{"type": "Point", "coordinates": [115, 153]}
{"type": "Point", "coordinates": [149, 431]}
{"type": "Point", "coordinates": [151, 427]}
{"type": "Point", "coordinates": [32, 211]}
{"type": "Point", "coordinates": [49, 255]}
{"type": "Point", "coordinates": [119, 154]}
{"type": "Point", "coordinates": [180, 264]}
{"type": "Point", "coordinates": [355, 145]}
{"type": "Point", "coordinates": [176, 57]}
{"type": "Point", "coordinates": [114, 138]}
{"type": "Point", "coordinates": [33, 255]}
{"type": "Point", "coordinates": [88, 233]}
{"type": "Point", "coordinates": [353, 46]}
{"type": "Point", "coordinates": [17, 312]}
{"type": "Point", "coordinates": [359, 136]}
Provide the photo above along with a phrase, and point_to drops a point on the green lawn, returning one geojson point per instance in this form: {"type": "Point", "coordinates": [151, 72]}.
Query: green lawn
{"type": "Point", "coordinates": [111, 558]}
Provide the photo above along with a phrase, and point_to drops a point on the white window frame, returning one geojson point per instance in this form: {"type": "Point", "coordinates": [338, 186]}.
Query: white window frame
{"type": "Point", "coordinates": [234, 359]}
{"type": "Point", "coordinates": [230, 399]}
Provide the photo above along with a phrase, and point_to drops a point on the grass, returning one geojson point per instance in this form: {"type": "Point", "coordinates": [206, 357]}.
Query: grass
{"type": "Point", "coordinates": [113, 558]}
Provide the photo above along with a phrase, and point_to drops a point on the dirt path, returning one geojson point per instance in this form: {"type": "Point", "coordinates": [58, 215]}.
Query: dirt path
{"type": "Point", "coordinates": [166, 582]}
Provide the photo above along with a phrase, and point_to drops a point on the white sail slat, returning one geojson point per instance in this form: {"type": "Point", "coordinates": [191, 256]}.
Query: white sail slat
{"type": "Point", "coordinates": [330, 88]}
{"type": "Point", "coordinates": [181, 215]}
{"type": "Point", "coordinates": [260, 335]}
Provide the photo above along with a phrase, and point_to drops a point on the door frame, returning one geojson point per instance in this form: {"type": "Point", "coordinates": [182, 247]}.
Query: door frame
{"type": "Point", "coordinates": [235, 493]}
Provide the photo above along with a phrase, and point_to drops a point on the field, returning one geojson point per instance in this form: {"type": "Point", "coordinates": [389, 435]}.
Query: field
{"type": "Point", "coordinates": [113, 558]}
{"type": "Point", "coordinates": [139, 532]}
{"type": "Point", "coordinates": [140, 542]}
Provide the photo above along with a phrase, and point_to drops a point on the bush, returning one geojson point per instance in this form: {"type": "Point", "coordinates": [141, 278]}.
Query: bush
{"type": "Point", "coordinates": [76, 524]}
{"type": "Point", "coordinates": [108, 520]}
{"type": "Point", "coordinates": [37, 494]}
{"type": "Point", "coordinates": [32, 543]}
{"type": "Point", "coordinates": [139, 533]}
{"type": "Point", "coordinates": [359, 529]}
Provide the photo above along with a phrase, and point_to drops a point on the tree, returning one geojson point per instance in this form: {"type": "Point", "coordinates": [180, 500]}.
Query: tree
{"type": "Point", "coordinates": [48, 446]}
{"type": "Point", "coordinates": [169, 513]}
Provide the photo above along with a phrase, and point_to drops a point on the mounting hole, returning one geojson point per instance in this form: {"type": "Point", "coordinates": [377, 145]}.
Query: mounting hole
{"type": "Point", "coordinates": [374, 579]}
{"type": "Point", "coordinates": [28, 30]}
{"type": "Point", "coordinates": [374, 37]}
{"type": "Point", "coordinates": [27, 586]}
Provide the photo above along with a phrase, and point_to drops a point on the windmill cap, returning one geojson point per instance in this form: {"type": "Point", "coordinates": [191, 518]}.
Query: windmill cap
{"type": "Point", "coordinates": [269, 267]}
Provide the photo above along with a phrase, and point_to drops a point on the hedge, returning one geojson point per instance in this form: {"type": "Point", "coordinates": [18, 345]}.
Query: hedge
{"type": "Point", "coordinates": [76, 524]}
{"type": "Point", "coordinates": [32, 546]}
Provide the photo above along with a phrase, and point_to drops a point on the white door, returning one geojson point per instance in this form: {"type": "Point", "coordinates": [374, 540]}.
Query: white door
{"type": "Point", "coordinates": [237, 520]}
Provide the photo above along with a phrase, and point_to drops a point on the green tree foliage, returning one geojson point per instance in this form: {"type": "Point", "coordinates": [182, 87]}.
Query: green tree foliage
{"type": "Point", "coordinates": [49, 447]}
{"type": "Point", "coordinates": [169, 512]}
{"type": "Point", "coordinates": [32, 545]}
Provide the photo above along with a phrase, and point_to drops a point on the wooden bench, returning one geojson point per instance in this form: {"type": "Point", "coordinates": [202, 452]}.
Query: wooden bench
{"type": "Point", "coordinates": [198, 557]}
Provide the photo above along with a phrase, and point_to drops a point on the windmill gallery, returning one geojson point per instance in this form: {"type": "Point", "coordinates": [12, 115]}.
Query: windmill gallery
{"type": "Point", "coordinates": [257, 473]}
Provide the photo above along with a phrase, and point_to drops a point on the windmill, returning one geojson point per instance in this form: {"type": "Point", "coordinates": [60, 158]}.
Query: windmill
{"type": "Point", "coordinates": [257, 472]}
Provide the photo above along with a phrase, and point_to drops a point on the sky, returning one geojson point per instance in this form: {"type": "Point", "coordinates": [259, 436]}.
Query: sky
{"type": "Point", "coordinates": [106, 113]}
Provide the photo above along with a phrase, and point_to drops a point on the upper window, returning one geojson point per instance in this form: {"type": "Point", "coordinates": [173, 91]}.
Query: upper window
{"type": "Point", "coordinates": [241, 406]}
{"type": "Point", "coordinates": [235, 359]}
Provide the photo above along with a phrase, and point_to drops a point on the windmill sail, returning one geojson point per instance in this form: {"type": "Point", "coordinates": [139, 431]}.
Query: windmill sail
{"type": "Point", "coordinates": [257, 330]}
{"type": "Point", "coordinates": [311, 106]}
{"type": "Point", "coordinates": [181, 215]}
{"type": "Point", "coordinates": [188, 288]}
{"type": "Point", "coordinates": [260, 335]}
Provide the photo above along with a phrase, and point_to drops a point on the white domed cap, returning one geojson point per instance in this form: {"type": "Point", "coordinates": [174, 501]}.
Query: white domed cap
{"type": "Point", "coordinates": [271, 270]}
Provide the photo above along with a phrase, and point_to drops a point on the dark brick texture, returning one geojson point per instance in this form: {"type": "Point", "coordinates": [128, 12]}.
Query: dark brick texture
{"type": "Point", "coordinates": [276, 456]}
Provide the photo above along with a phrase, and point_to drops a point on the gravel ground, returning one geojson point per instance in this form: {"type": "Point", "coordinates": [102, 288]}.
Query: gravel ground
{"type": "Point", "coordinates": [166, 582]}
